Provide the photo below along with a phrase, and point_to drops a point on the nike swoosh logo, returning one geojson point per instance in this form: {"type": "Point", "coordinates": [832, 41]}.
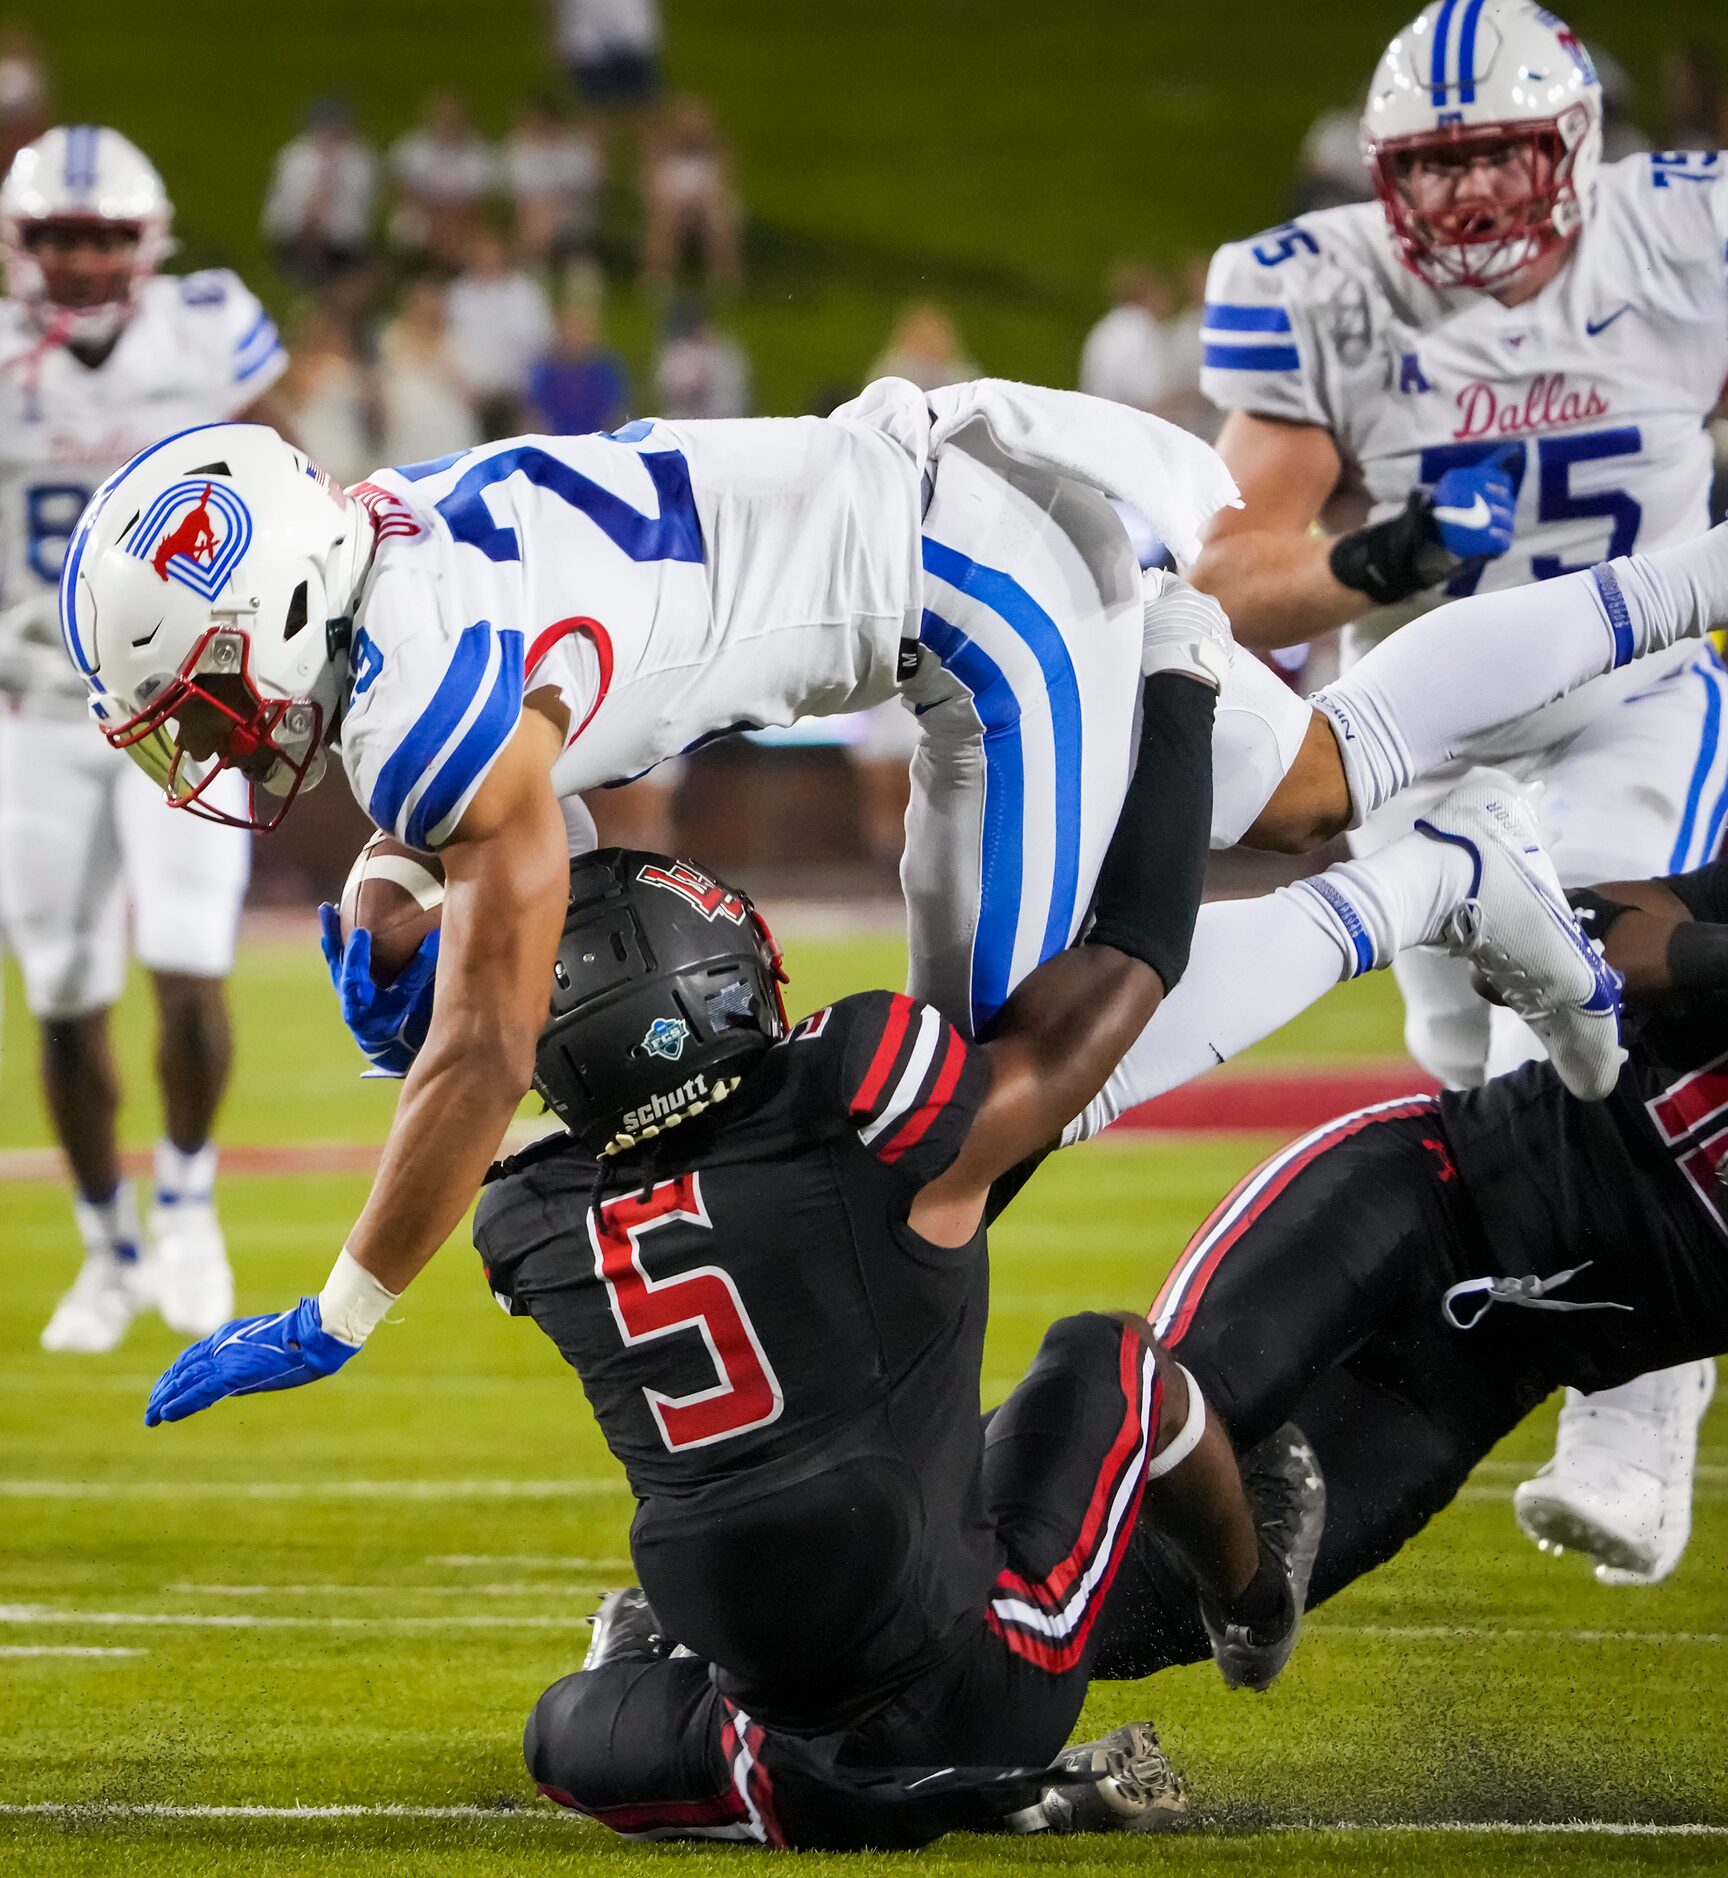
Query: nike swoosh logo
{"type": "Point", "coordinates": [1593, 327]}
{"type": "Point", "coordinates": [1478, 515]}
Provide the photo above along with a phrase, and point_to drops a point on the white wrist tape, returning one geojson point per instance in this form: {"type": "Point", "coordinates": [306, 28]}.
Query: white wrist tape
{"type": "Point", "coordinates": [352, 1303]}
{"type": "Point", "coordinates": [1188, 1440]}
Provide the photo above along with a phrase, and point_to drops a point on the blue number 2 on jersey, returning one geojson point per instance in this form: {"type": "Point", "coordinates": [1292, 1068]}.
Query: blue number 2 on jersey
{"type": "Point", "coordinates": [1556, 500]}
{"type": "Point", "coordinates": [675, 534]}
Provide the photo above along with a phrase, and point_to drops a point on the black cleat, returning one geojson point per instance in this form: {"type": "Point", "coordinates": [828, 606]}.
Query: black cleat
{"type": "Point", "coordinates": [1134, 1788]}
{"type": "Point", "coordinates": [1288, 1493]}
{"type": "Point", "coordinates": [626, 1631]}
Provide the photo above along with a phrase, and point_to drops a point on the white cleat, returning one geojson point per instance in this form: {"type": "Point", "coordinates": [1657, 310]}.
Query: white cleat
{"type": "Point", "coordinates": [1619, 1487]}
{"type": "Point", "coordinates": [96, 1313]}
{"type": "Point", "coordinates": [1517, 930]}
{"type": "Point", "coordinates": [194, 1281]}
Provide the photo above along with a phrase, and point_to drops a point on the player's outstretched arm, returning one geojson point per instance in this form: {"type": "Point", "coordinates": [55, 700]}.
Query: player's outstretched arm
{"type": "Point", "coordinates": [1057, 1039]}
{"type": "Point", "coordinates": [1666, 938]}
{"type": "Point", "coordinates": [506, 882]}
{"type": "Point", "coordinates": [1282, 581]}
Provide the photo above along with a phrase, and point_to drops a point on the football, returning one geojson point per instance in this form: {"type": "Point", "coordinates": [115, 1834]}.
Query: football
{"type": "Point", "coordinates": [397, 894]}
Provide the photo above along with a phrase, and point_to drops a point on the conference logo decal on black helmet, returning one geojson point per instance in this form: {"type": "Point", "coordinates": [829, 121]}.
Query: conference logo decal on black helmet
{"type": "Point", "coordinates": [708, 897]}
{"type": "Point", "coordinates": [666, 1037]}
{"type": "Point", "coordinates": [195, 532]}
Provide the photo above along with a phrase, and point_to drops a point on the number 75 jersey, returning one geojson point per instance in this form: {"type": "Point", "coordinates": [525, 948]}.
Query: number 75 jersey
{"type": "Point", "coordinates": [198, 349]}
{"type": "Point", "coordinates": [1596, 389]}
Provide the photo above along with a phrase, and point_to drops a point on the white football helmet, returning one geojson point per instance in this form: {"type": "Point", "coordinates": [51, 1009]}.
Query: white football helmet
{"type": "Point", "coordinates": [1475, 75]}
{"type": "Point", "coordinates": [217, 573]}
{"type": "Point", "coordinates": [82, 177]}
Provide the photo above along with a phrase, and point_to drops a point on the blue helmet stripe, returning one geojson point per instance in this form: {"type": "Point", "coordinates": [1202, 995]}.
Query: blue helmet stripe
{"type": "Point", "coordinates": [1442, 40]}
{"type": "Point", "coordinates": [1467, 53]}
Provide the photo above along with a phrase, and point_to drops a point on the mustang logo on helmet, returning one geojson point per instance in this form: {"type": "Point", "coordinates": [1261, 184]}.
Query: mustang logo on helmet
{"type": "Point", "coordinates": [195, 533]}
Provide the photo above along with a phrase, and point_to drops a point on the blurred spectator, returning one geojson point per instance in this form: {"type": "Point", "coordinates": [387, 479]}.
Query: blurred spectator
{"type": "Point", "coordinates": [1621, 136]}
{"type": "Point", "coordinates": [23, 91]}
{"type": "Point", "coordinates": [692, 208]}
{"type": "Point", "coordinates": [1126, 355]}
{"type": "Point", "coordinates": [444, 170]}
{"type": "Point", "coordinates": [318, 213]}
{"type": "Point", "coordinates": [1693, 113]}
{"type": "Point", "coordinates": [924, 347]}
{"type": "Point", "coordinates": [424, 410]}
{"type": "Point", "coordinates": [580, 385]}
{"type": "Point", "coordinates": [1331, 170]}
{"type": "Point", "coordinates": [499, 323]}
{"type": "Point", "coordinates": [700, 372]}
{"type": "Point", "coordinates": [553, 170]}
{"type": "Point", "coordinates": [611, 49]}
{"type": "Point", "coordinates": [1182, 400]}
{"type": "Point", "coordinates": [326, 392]}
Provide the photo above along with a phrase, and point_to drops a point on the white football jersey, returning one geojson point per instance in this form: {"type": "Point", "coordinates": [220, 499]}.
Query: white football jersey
{"type": "Point", "coordinates": [1600, 383]}
{"type": "Point", "coordinates": [198, 349]}
{"type": "Point", "coordinates": [672, 582]}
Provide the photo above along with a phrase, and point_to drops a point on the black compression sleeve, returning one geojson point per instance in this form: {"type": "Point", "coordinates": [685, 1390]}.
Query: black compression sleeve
{"type": "Point", "coordinates": [1391, 560]}
{"type": "Point", "coordinates": [1703, 892]}
{"type": "Point", "coordinates": [1149, 886]}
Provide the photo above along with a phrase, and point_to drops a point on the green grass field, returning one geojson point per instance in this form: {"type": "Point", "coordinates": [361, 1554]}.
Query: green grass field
{"type": "Point", "coordinates": [350, 1596]}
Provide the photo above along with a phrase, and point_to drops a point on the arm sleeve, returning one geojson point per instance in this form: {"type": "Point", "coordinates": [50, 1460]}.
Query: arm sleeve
{"type": "Point", "coordinates": [1257, 352]}
{"type": "Point", "coordinates": [909, 1082]}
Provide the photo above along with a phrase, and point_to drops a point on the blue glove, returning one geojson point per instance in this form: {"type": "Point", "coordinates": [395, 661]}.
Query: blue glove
{"type": "Point", "coordinates": [389, 1022]}
{"type": "Point", "coordinates": [248, 1356]}
{"type": "Point", "coordinates": [1472, 511]}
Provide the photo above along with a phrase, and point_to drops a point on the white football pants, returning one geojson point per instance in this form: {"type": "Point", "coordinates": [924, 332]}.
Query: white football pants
{"type": "Point", "coordinates": [83, 835]}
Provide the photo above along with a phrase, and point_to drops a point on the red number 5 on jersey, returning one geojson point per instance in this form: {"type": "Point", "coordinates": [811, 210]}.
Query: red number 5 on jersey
{"type": "Point", "coordinates": [748, 1393]}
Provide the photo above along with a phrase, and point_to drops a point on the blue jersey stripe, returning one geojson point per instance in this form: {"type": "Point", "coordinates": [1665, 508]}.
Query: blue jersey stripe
{"type": "Point", "coordinates": [264, 358]}
{"type": "Point", "coordinates": [481, 742]}
{"type": "Point", "coordinates": [1002, 840]}
{"type": "Point", "coordinates": [1223, 317]}
{"type": "Point", "coordinates": [261, 324]}
{"type": "Point", "coordinates": [1252, 358]}
{"type": "Point", "coordinates": [1442, 35]}
{"type": "Point", "coordinates": [1467, 53]}
{"type": "Point", "coordinates": [1015, 606]}
{"type": "Point", "coordinates": [1711, 844]}
{"type": "Point", "coordinates": [1677, 861]}
{"type": "Point", "coordinates": [407, 763]}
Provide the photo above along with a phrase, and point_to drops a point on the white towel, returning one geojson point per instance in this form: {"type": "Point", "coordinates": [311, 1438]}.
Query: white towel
{"type": "Point", "coordinates": [1177, 482]}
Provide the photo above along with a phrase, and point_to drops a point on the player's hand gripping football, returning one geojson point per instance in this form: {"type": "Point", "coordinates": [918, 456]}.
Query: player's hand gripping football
{"type": "Point", "coordinates": [389, 1022]}
{"type": "Point", "coordinates": [248, 1356]}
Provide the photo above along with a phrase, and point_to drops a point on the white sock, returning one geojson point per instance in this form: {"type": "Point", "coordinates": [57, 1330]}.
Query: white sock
{"type": "Point", "coordinates": [1380, 904]}
{"type": "Point", "coordinates": [185, 1177]}
{"type": "Point", "coordinates": [1419, 697]}
{"type": "Point", "coordinates": [1258, 963]}
{"type": "Point", "coordinates": [110, 1228]}
{"type": "Point", "coordinates": [1255, 964]}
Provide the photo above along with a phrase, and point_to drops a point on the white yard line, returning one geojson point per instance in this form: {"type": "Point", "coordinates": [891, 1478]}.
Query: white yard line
{"type": "Point", "coordinates": [97, 1811]}
{"type": "Point", "coordinates": [482, 1488]}
{"type": "Point", "coordinates": [41, 1614]}
{"type": "Point", "coordinates": [1502, 1633]}
{"type": "Point", "coordinates": [558, 1589]}
{"type": "Point", "coordinates": [66, 1649]}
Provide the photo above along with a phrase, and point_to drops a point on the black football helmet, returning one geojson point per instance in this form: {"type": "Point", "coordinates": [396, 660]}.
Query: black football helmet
{"type": "Point", "coordinates": [666, 986]}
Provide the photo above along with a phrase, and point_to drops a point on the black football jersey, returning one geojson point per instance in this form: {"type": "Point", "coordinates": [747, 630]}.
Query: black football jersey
{"type": "Point", "coordinates": [788, 1375]}
{"type": "Point", "coordinates": [1644, 1167]}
